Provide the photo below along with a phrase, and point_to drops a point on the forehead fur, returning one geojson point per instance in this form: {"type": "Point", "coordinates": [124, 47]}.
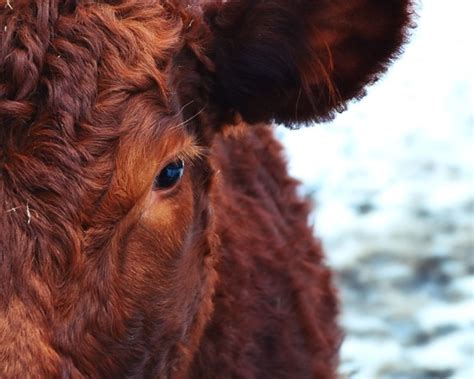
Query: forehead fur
{"type": "Point", "coordinates": [67, 70]}
{"type": "Point", "coordinates": [60, 55]}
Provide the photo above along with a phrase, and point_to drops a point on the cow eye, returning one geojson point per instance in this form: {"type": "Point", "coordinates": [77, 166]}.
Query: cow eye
{"type": "Point", "coordinates": [169, 176]}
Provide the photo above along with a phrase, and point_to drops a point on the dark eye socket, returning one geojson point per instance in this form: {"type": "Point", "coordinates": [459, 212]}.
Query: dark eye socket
{"type": "Point", "coordinates": [169, 176]}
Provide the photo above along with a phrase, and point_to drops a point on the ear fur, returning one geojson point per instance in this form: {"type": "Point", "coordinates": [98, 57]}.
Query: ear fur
{"type": "Point", "coordinates": [301, 60]}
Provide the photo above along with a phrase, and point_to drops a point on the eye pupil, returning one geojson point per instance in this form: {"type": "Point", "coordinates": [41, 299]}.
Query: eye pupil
{"type": "Point", "coordinates": [169, 176]}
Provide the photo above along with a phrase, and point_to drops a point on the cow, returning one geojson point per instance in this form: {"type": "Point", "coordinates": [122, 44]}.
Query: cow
{"type": "Point", "coordinates": [149, 226]}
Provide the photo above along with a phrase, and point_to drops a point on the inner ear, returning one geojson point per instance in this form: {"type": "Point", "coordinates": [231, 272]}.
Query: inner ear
{"type": "Point", "coordinates": [301, 61]}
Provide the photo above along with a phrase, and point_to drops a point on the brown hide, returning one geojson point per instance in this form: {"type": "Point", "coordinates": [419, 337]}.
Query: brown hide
{"type": "Point", "coordinates": [107, 272]}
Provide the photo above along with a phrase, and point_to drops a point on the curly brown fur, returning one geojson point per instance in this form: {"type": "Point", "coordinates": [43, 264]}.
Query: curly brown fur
{"type": "Point", "coordinates": [104, 275]}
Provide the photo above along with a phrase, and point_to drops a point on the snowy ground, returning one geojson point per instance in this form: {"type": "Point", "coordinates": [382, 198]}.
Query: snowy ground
{"type": "Point", "coordinates": [393, 181]}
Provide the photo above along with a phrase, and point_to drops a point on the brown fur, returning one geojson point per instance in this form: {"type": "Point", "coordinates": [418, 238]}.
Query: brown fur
{"type": "Point", "coordinates": [220, 277]}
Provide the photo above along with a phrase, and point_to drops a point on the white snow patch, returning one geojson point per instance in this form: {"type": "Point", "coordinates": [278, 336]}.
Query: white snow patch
{"type": "Point", "coordinates": [443, 353]}
{"type": "Point", "coordinates": [439, 314]}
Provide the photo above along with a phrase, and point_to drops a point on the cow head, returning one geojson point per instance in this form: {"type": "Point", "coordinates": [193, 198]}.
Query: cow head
{"type": "Point", "coordinates": [108, 112]}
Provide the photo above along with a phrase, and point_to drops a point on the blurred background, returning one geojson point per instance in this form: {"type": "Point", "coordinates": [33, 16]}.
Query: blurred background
{"type": "Point", "coordinates": [393, 183]}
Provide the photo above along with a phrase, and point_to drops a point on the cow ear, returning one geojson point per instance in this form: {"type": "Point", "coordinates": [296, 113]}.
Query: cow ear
{"type": "Point", "coordinates": [301, 60]}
